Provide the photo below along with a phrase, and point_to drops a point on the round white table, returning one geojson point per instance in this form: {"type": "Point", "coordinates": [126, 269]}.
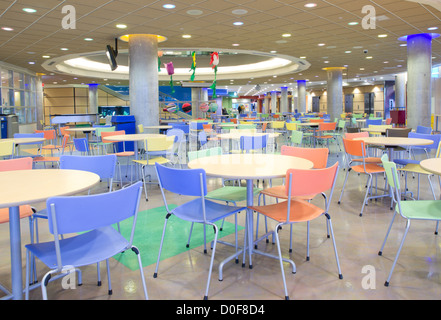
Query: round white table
{"type": "Point", "coordinates": [432, 165]}
{"type": "Point", "coordinates": [31, 186]}
{"type": "Point", "coordinates": [248, 167]}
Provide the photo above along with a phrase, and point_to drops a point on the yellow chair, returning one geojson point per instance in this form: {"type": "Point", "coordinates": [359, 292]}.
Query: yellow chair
{"type": "Point", "coordinates": [6, 149]}
{"type": "Point", "coordinates": [381, 129]}
{"type": "Point", "coordinates": [140, 128]}
{"type": "Point", "coordinates": [152, 145]}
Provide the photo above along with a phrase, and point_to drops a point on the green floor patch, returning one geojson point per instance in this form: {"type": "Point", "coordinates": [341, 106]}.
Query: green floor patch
{"type": "Point", "coordinates": [148, 234]}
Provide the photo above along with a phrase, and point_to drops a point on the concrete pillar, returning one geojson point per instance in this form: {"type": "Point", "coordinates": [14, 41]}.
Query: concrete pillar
{"type": "Point", "coordinates": [273, 101]}
{"type": "Point", "coordinates": [301, 99]}
{"type": "Point", "coordinates": [144, 90]}
{"type": "Point", "coordinates": [419, 78]}
{"type": "Point", "coordinates": [400, 90]}
{"type": "Point", "coordinates": [284, 99]}
{"type": "Point", "coordinates": [334, 91]}
{"type": "Point", "coordinates": [266, 105]}
{"type": "Point", "coordinates": [93, 98]}
{"type": "Point", "coordinates": [39, 100]}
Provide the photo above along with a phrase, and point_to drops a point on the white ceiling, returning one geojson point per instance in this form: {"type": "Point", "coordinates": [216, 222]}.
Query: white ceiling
{"type": "Point", "coordinates": [41, 33]}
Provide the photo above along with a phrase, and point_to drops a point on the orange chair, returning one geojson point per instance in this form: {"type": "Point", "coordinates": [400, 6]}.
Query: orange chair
{"type": "Point", "coordinates": [364, 134]}
{"type": "Point", "coordinates": [319, 157]}
{"type": "Point", "coordinates": [356, 148]}
{"type": "Point", "coordinates": [317, 120]}
{"type": "Point", "coordinates": [324, 130]}
{"type": "Point", "coordinates": [26, 211]}
{"type": "Point", "coordinates": [44, 159]}
{"type": "Point", "coordinates": [300, 183]}
{"type": "Point", "coordinates": [234, 120]}
{"type": "Point", "coordinates": [50, 136]}
{"type": "Point", "coordinates": [106, 138]}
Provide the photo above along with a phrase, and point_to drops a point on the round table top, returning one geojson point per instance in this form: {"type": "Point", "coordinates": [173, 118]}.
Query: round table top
{"type": "Point", "coordinates": [249, 166]}
{"type": "Point", "coordinates": [159, 127]}
{"type": "Point", "coordinates": [25, 140]}
{"type": "Point", "coordinates": [395, 141]}
{"type": "Point", "coordinates": [432, 165]}
{"type": "Point", "coordinates": [137, 136]}
{"type": "Point", "coordinates": [81, 129]}
{"type": "Point", "coordinates": [31, 186]}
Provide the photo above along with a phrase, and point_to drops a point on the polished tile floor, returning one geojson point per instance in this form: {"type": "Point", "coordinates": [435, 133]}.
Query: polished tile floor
{"type": "Point", "coordinates": [358, 239]}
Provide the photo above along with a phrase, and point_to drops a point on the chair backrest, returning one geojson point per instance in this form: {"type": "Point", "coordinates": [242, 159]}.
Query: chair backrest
{"type": "Point", "coordinates": [248, 143]}
{"type": "Point", "coordinates": [178, 133]}
{"type": "Point", "coordinates": [390, 168]}
{"type": "Point", "coordinates": [373, 121]}
{"type": "Point", "coordinates": [354, 147]}
{"type": "Point", "coordinates": [398, 132]}
{"type": "Point", "coordinates": [423, 129]}
{"type": "Point", "coordinates": [204, 153]}
{"type": "Point", "coordinates": [16, 164]}
{"type": "Point", "coordinates": [354, 135]}
{"type": "Point", "coordinates": [278, 124]}
{"type": "Point", "coordinates": [6, 148]}
{"type": "Point", "coordinates": [341, 124]}
{"type": "Point", "coordinates": [327, 126]}
{"type": "Point", "coordinates": [380, 127]}
{"type": "Point", "coordinates": [100, 130]}
{"type": "Point", "coordinates": [434, 137]}
{"type": "Point", "coordinates": [296, 137]}
{"type": "Point", "coordinates": [103, 165]}
{"type": "Point", "coordinates": [187, 182]}
{"type": "Point", "coordinates": [76, 214]}
{"type": "Point", "coordinates": [81, 144]}
{"type": "Point", "coordinates": [318, 156]}
{"type": "Point", "coordinates": [291, 126]}
{"type": "Point", "coordinates": [47, 134]}
{"type": "Point", "coordinates": [352, 129]}
{"type": "Point", "coordinates": [207, 127]}
{"type": "Point", "coordinates": [162, 143]}
{"type": "Point", "coordinates": [246, 126]}
{"type": "Point", "coordinates": [389, 121]}
{"type": "Point", "coordinates": [300, 182]}
{"type": "Point", "coordinates": [140, 128]}
{"type": "Point", "coordinates": [63, 130]}
{"type": "Point", "coordinates": [317, 120]}
{"type": "Point", "coordinates": [183, 127]}
{"type": "Point", "coordinates": [105, 135]}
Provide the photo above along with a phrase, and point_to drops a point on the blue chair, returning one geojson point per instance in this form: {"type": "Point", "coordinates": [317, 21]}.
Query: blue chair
{"type": "Point", "coordinates": [250, 144]}
{"type": "Point", "coordinates": [376, 122]}
{"type": "Point", "coordinates": [81, 145]}
{"type": "Point", "coordinates": [192, 183]}
{"type": "Point", "coordinates": [91, 218]}
{"type": "Point", "coordinates": [423, 129]}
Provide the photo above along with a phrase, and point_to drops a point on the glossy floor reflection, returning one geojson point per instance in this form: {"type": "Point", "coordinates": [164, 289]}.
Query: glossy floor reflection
{"type": "Point", "coordinates": [416, 276]}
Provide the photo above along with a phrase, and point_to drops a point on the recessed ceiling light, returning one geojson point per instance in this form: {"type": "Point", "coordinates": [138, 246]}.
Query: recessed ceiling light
{"type": "Point", "coordinates": [169, 6]}
{"type": "Point", "coordinates": [46, 57]}
{"type": "Point", "coordinates": [195, 12]}
{"type": "Point", "coordinates": [353, 23]}
{"type": "Point", "coordinates": [238, 23]}
{"type": "Point", "coordinates": [29, 10]}
{"type": "Point", "coordinates": [286, 35]}
{"type": "Point", "coordinates": [239, 11]}
{"type": "Point", "coordinates": [382, 35]}
{"type": "Point", "coordinates": [235, 44]}
{"type": "Point", "coordinates": [31, 62]}
{"type": "Point", "coordinates": [321, 44]}
{"type": "Point", "coordinates": [310, 5]}
{"type": "Point", "coordinates": [369, 57]}
{"type": "Point", "coordinates": [121, 26]}
{"type": "Point", "coordinates": [64, 49]}
{"type": "Point", "coordinates": [403, 45]}
{"type": "Point", "coordinates": [7, 29]}
{"type": "Point", "coordinates": [432, 28]}
{"type": "Point", "coordinates": [302, 57]}
{"type": "Point", "coordinates": [88, 39]}
{"type": "Point", "coordinates": [186, 36]}
{"type": "Point", "coordinates": [348, 51]}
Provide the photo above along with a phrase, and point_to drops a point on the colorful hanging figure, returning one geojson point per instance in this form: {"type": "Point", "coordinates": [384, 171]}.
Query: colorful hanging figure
{"type": "Point", "coordinates": [204, 107]}
{"type": "Point", "coordinates": [171, 107]}
{"type": "Point", "coordinates": [186, 107]}
{"type": "Point", "coordinates": [160, 54]}
{"type": "Point", "coordinates": [170, 71]}
{"type": "Point", "coordinates": [214, 62]}
{"type": "Point", "coordinates": [213, 107]}
{"type": "Point", "coordinates": [193, 65]}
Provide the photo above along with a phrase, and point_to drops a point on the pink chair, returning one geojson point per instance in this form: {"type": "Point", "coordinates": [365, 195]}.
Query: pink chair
{"type": "Point", "coordinates": [300, 183]}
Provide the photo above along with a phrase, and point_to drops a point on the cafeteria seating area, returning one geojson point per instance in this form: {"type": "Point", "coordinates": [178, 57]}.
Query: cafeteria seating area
{"type": "Point", "coordinates": [227, 151]}
{"type": "Point", "coordinates": [183, 275]}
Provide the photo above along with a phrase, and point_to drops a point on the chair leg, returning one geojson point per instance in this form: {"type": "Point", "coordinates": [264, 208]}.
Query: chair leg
{"type": "Point", "coordinates": [369, 186]}
{"type": "Point", "coordinates": [136, 251]}
{"type": "Point", "coordinates": [211, 260]}
{"type": "Point", "coordinates": [280, 260]}
{"type": "Point", "coordinates": [398, 253]}
{"type": "Point", "coordinates": [108, 277]}
{"type": "Point", "coordinates": [387, 234]}
{"type": "Point", "coordinates": [344, 184]}
{"type": "Point", "coordinates": [340, 276]}
{"type": "Point", "coordinates": [155, 275]}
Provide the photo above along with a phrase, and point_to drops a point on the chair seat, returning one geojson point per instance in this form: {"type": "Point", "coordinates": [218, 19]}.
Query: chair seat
{"type": "Point", "coordinates": [367, 160]}
{"type": "Point", "coordinates": [25, 211]}
{"type": "Point", "coordinates": [83, 249]}
{"type": "Point", "coordinates": [230, 194]}
{"type": "Point", "coordinates": [51, 146]}
{"type": "Point", "coordinates": [370, 168]}
{"type": "Point", "coordinates": [404, 162]}
{"type": "Point", "coordinates": [280, 192]}
{"type": "Point", "coordinates": [300, 211]}
{"type": "Point", "coordinates": [125, 154]}
{"type": "Point", "coordinates": [46, 159]}
{"type": "Point", "coordinates": [422, 209]}
{"type": "Point", "coordinates": [415, 168]}
{"type": "Point", "coordinates": [214, 211]}
{"type": "Point", "coordinates": [152, 161]}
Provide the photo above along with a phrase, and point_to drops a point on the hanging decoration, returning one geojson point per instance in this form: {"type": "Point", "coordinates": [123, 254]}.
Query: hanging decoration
{"type": "Point", "coordinates": [214, 62]}
{"type": "Point", "coordinates": [204, 107]}
{"type": "Point", "coordinates": [170, 71]}
{"type": "Point", "coordinates": [193, 66]}
{"type": "Point", "coordinates": [186, 107]}
{"type": "Point", "coordinates": [171, 107]}
{"type": "Point", "coordinates": [213, 107]}
{"type": "Point", "coordinates": [160, 54]}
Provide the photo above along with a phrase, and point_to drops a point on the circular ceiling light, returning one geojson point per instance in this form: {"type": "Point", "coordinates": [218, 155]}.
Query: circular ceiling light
{"type": "Point", "coordinates": [169, 6]}
{"type": "Point", "coordinates": [382, 35]}
{"type": "Point", "coordinates": [310, 5]}
{"type": "Point", "coordinates": [121, 26]}
{"type": "Point", "coordinates": [286, 35]}
{"type": "Point", "coordinates": [29, 10]}
{"type": "Point", "coordinates": [353, 23]}
{"type": "Point", "coordinates": [7, 29]}
{"type": "Point", "coordinates": [195, 12]}
{"type": "Point", "coordinates": [238, 23]}
{"type": "Point", "coordinates": [239, 11]}
{"type": "Point", "coordinates": [186, 36]}
{"type": "Point", "coordinates": [88, 39]}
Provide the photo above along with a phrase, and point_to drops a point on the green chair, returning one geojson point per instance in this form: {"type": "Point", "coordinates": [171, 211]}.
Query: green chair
{"type": "Point", "coordinates": [98, 143]}
{"type": "Point", "coordinates": [229, 194]}
{"type": "Point", "coordinates": [296, 138]}
{"type": "Point", "coordinates": [246, 126]}
{"type": "Point", "coordinates": [423, 210]}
